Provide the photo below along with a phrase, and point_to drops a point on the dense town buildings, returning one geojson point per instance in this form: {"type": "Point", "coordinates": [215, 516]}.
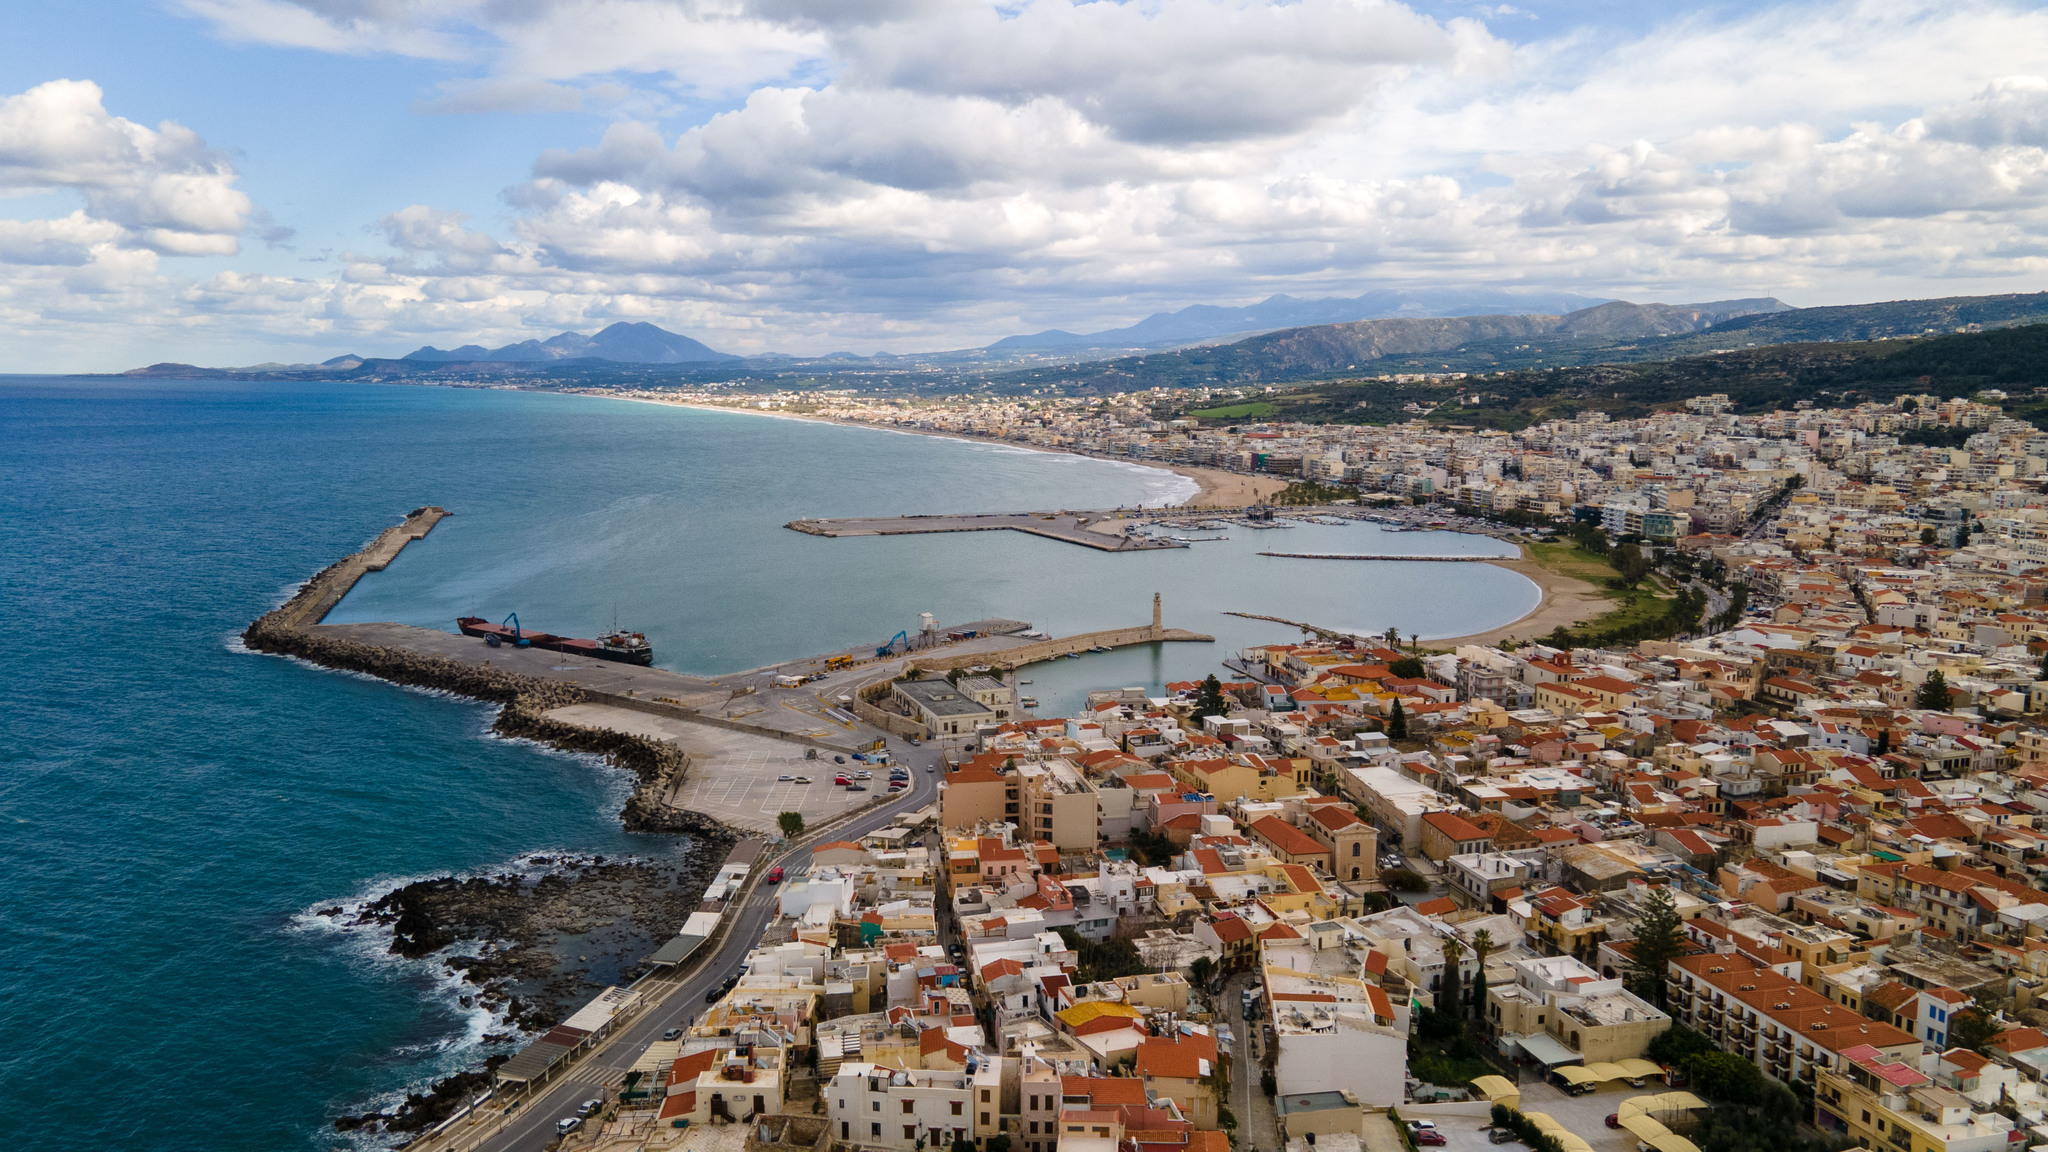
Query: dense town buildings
{"type": "Point", "coordinates": [1125, 928]}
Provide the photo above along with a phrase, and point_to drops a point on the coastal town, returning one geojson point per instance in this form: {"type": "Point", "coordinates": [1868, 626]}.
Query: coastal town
{"type": "Point", "coordinates": [1750, 861]}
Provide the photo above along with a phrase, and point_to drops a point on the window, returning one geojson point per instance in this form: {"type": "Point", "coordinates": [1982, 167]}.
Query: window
{"type": "Point", "coordinates": [875, 1130]}
{"type": "Point", "coordinates": [843, 1133]}
{"type": "Point", "coordinates": [842, 1105]}
{"type": "Point", "coordinates": [984, 1095]}
{"type": "Point", "coordinates": [906, 1107]}
{"type": "Point", "coordinates": [875, 1105]}
{"type": "Point", "coordinates": [956, 1107]}
{"type": "Point", "coordinates": [910, 1131]}
{"type": "Point", "coordinates": [1354, 847]}
{"type": "Point", "coordinates": [1034, 1126]}
{"type": "Point", "coordinates": [984, 1119]}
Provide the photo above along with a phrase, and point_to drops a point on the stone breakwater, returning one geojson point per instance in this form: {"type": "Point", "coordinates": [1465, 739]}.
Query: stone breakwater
{"type": "Point", "coordinates": [657, 766]}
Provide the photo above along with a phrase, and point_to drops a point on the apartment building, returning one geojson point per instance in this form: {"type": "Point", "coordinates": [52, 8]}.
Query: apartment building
{"type": "Point", "coordinates": [1783, 1027]}
{"type": "Point", "coordinates": [881, 1107]}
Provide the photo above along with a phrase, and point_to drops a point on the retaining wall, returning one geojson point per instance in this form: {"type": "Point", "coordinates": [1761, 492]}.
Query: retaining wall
{"type": "Point", "coordinates": [1009, 658]}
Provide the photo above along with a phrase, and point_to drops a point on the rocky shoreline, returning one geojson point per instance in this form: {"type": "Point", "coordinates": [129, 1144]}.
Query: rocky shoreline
{"type": "Point", "coordinates": [539, 944]}
{"type": "Point", "coordinates": [535, 944]}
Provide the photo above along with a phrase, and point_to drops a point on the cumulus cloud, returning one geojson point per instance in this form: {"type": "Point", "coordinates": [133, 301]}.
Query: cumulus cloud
{"type": "Point", "coordinates": [159, 189]}
{"type": "Point", "coordinates": [921, 173]}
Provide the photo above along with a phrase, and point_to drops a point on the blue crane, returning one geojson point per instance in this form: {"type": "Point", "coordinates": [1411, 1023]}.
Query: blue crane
{"type": "Point", "coordinates": [519, 640]}
{"type": "Point", "coordinates": [885, 649]}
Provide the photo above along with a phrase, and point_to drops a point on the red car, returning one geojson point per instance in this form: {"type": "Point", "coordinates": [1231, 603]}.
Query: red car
{"type": "Point", "coordinates": [775, 875]}
{"type": "Point", "coordinates": [1614, 1119]}
{"type": "Point", "coordinates": [1430, 1138]}
{"type": "Point", "coordinates": [841, 781]}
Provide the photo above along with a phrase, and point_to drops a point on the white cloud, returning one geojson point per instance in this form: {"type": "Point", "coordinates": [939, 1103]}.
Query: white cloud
{"type": "Point", "coordinates": [922, 173]}
{"type": "Point", "coordinates": [158, 189]}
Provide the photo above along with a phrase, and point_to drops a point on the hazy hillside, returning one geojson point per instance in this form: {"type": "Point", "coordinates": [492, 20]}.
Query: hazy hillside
{"type": "Point", "coordinates": [1209, 321]}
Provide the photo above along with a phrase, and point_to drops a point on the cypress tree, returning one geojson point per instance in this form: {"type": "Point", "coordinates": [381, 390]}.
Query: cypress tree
{"type": "Point", "coordinates": [1658, 942]}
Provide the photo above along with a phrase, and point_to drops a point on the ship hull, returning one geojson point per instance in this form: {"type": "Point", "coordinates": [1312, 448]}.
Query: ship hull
{"type": "Point", "coordinates": [641, 655]}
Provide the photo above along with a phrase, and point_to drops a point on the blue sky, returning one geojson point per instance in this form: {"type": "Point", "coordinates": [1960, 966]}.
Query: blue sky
{"type": "Point", "coordinates": [233, 181]}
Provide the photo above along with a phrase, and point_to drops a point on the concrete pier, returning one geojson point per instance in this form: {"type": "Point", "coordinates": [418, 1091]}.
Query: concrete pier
{"type": "Point", "coordinates": [1385, 556]}
{"type": "Point", "coordinates": [1067, 527]}
{"type": "Point", "coordinates": [327, 588]}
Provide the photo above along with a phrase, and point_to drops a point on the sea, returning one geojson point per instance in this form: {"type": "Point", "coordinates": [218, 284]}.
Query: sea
{"type": "Point", "coordinates": [175, 811]}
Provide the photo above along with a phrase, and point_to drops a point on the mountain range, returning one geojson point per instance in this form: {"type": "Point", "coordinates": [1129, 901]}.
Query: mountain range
{"type": "Point", "coordinates": [624, 343]}
{"type": "Point", "coordinates": [1202, 322]}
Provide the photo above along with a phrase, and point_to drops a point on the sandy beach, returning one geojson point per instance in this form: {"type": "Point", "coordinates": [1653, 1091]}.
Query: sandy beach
{"type": "Point", "coordinates": [1565, 602]}
{"type": "Point", "coordinates": [1214, 487]}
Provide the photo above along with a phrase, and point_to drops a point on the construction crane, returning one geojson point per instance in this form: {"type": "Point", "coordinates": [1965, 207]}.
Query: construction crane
{"type": "Point", "coordinates": [886, 649]}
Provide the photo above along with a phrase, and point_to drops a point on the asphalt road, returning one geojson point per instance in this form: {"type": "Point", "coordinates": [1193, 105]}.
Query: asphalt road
{"type": "Point", "coordinates": [533, 1125]}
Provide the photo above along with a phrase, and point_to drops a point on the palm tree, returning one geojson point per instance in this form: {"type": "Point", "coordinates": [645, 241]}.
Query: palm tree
{"type": "Point", "coordinates": [1482, 947]}
{"type": "Point", "coordinates": [1454, 952]}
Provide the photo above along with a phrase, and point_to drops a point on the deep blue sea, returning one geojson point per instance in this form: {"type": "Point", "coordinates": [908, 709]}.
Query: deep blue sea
{"type": "Point", "coordinates": [172, 808]}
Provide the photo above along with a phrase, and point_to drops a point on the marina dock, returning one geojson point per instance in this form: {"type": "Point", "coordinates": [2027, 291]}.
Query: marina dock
{"type": "Point", "coordinates": [1067, 527]}
{"type": "Point", "coordinates": [1384, 556]}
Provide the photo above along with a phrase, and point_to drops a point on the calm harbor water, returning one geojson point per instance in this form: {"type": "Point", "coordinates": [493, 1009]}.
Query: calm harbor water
{"type": "Point", "coordinates": [172, 809]}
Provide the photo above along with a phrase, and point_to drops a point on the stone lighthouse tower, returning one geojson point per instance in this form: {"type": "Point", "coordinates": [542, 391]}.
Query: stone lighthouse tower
{"type": "Point", "coordinates": [1157, 630]}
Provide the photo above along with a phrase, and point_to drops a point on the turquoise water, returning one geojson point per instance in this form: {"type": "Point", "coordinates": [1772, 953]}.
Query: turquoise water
{"type": "Point", "coordinates": [172, 808]}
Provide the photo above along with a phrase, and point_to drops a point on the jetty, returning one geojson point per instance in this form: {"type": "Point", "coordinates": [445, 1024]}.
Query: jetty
{"type": "Point", "coordinates": [1385, 556]}
{"type": "Point", "coordinates": [1067, 527]}
{"type": "Point", "coordinates": [318, 596]}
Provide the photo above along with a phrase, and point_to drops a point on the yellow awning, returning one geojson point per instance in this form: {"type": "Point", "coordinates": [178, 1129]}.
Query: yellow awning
{"type": "Point", "coordinates": [1544, 1122]}
{"type": "Point", "coordinates": [1677, 1102]}
{"type": "Point", "coordinates": [1497, 1088]}
{"type": "Point", "coordinates": [1644, 1127]}
{"type": "Point", "coordinates": [1633, 1106]}
{"type": "Point", "coordinates": [1637, 1066]}
{"type": "Point", "coordinates": [1672, 1142]}
{"type": "Point", "coordinates": [1572, 1143]}
{"type": "Point", "coordinates": [1607, 1071]}
{"type": "Point", "coordinates": [1577, 1075]}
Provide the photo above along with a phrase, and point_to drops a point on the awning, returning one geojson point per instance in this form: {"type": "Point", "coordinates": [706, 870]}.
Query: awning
{"type": "Point", "coordinates": [1643, 1127]}
{"type": "Point", "coordinates": [532, 1063]}
{"type": "Point", "coordinates": [1498, 1089]}
{"type": "Point", "coordinates": [1577, 1075]}
{"type": "Point", "coordinates": [1637, 1066]}
{"type": "Point", "coordinates": [676, 950]}
{"type": "Point", "coordinates": [1545, 1050]}
{"type": "Point", "coordinates": [1543, 1121]}
{"type": "Point", "coordinates": [1672, 1142]}
{"type": "Point", "coordinates": [1607, 1071]}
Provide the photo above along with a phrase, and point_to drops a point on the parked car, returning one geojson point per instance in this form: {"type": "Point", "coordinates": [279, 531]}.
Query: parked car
{"type": "Point", "coordinates": [842, 779]}
{"type": "Point", "coordinates": [1430, 1138]}
{"type": "Point", "coordinates": [839, 759]}
{"type": "Point", "coordinates": [567, 1125]}
{"type": "Point", "coordinates": [863, 774]}
{"type": "Point", "coordinates": [785, 778]}
{"type": "Point", "coordinates": [672, 1034]}
{"type": "Point", "coordinates": [861, 756]}
{"type": "Point", "coordinates": [775, 874]}
{"type": "Point", "coordinates": [1614, 1119]}
{"type": "Point", "coordinates": [1501, 1136]}
{"type": "Point", "coordinates": [915, 742]}
{"type": "Point", "coordinates": [1422, 1125]}
{"type": "Point", "coordinates": [589, 1106]}
{"type": "Point", "coordinates": [803, 779]}
{"type": "Point", "coordinates": [856, 787]}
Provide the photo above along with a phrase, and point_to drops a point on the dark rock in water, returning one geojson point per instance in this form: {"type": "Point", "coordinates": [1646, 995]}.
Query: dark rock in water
{"type": "Point", "coordinates": [334, 911]}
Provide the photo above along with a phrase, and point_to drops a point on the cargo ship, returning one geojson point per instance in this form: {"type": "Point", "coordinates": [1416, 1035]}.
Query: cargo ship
{"type": "Point", "coordinates": [624, 647]}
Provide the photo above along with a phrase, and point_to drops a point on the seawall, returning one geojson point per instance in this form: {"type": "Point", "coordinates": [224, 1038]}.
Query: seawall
{"type": "Point", "coordinates": [1017, 657]}
{"type": "Point", "coordinates": [284, 631]}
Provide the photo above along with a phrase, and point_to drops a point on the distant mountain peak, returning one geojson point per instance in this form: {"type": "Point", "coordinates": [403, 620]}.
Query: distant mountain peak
{"type": "Point", "coordinates": [625, 342]}
{"type": "Point", "coordinates": [1211, 323]}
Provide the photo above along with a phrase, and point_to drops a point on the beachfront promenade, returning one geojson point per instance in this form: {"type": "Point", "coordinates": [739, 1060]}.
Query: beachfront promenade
{"type": "Point", "coordinates": [1083, 528]}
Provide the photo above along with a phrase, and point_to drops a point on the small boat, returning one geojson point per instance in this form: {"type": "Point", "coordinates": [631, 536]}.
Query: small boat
{"type": "Point", "coordinates": [1029, 701]}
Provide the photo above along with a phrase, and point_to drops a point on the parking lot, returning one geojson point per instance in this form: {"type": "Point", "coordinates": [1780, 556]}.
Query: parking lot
{"type": "Point", "coordinates": [735, 776]}
{"type": "Point", "coordinates": [1584, 1115]}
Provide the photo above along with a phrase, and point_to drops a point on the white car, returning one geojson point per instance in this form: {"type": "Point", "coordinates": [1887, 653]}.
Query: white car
{"type": "Point", "coordinates": [785, 778]}
{"type": "Point", "coordinates": [564, 1127]}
